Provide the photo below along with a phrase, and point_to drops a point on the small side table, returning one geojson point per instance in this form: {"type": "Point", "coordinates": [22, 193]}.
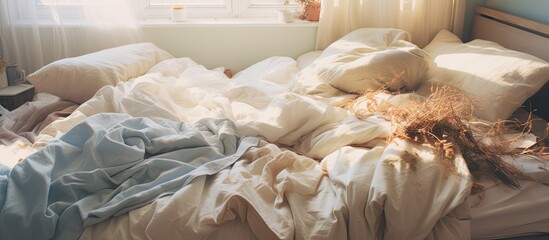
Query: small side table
{"type": "Point", "coordinates": [12, 97]}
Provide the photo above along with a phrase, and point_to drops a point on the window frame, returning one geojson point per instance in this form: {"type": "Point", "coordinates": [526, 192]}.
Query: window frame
{"type": "Point", "coordinates": [231, 9]}
{"type": "Point", "coordinates": [145, 11]}
{"type": "Point", "coordinates": [262, 10]}
{"type": "Point", "coordinates": [44, 12]}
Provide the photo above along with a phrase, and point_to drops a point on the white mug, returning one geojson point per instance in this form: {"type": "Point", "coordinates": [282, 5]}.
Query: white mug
{"type": "Point", "coordinates": [179, 14]}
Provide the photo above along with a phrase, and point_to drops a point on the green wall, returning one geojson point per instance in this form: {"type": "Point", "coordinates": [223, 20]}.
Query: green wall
{"type": "Point", "coordinates": [533, 9]}
{"type": "Point", "coordinates": [537, 10]}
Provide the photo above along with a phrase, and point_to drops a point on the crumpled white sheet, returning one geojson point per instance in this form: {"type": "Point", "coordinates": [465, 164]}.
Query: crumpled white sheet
{"type": "Point", "coordinates": [180, 89]}
{"type": "Point", "coordinates": [282, 195]}
{"type": "Point", "coordinates": [353, 193]}
{"type": "Point", "coordinates": [278, 193]}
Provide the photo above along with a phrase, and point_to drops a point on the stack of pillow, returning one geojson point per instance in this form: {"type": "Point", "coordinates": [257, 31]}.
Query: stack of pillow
{"type": "Point", "coordinates": [500, 80]}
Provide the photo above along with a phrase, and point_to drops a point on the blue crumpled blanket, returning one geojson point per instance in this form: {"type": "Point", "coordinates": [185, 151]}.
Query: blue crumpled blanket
{"type": "Point", "coordinates": [107, 165]}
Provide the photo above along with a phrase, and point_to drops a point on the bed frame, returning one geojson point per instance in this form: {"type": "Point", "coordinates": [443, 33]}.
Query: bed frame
{"type": "Point", "coordinates": [519, 34]}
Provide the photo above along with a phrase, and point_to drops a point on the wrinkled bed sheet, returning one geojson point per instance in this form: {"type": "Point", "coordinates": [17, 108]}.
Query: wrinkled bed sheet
{"type": "Point", "coordinates": [107, 165]}
{"type": "Point", "coordinates": [26, 122]}
{"type": "Point", "coordinates": [319, 172]}
{"type": "Point", "coordinates": [19, 128]}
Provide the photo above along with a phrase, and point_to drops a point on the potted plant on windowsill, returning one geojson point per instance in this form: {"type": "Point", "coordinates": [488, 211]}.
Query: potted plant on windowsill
{"type": "Point", "coordinates": [311, 9]}
{"type": "Point", "coordinates": [286, 15]}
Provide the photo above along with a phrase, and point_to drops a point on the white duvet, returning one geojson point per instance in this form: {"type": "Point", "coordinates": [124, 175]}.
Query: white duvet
{"type": "Point", "coordinates": [307, 180]}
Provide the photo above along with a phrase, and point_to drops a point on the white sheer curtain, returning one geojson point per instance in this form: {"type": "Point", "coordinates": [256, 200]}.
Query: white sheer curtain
{"type": "Point", "coordinates": [37, 34]}
{"type": "Point", "coordinates": [422, 18]}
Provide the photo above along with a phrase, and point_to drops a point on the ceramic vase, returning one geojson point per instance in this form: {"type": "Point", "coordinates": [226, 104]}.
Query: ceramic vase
{"type": "Point", "coordinates": [285, 16]}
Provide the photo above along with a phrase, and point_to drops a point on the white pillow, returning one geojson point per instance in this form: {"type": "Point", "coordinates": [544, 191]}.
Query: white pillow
{"type": "Point", "coordinates": [369, 59]}
{"type": "Point", "coordinates": [369, 38]}
{"type": "Point", "coordinates": [498, 78]}
{"type": "Point", "coordinates": [307, 58]}
{"type": "Point", "coordinates": [77, 79]}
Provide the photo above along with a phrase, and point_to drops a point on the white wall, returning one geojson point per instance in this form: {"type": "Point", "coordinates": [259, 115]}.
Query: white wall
{"type": "Point", "coordinates": [233, 46]}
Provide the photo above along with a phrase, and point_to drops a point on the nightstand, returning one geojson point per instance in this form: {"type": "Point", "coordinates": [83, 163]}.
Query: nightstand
{"type": "Point", "coordinates": [12, 97]}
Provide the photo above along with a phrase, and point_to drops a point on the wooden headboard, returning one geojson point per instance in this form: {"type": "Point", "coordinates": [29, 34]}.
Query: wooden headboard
{"type": "Point", "coordinates": [519, 34]}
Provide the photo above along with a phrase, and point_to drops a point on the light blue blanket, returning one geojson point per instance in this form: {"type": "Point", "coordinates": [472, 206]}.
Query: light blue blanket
{"type": "Point", "coordinates": [107, 165]}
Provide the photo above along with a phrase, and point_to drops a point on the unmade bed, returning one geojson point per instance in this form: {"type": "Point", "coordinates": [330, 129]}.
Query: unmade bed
{"type": "Point", "coordinates": [371, 138]}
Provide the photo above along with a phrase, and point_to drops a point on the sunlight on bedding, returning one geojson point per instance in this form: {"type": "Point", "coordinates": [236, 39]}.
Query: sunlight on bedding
{"type": "Point", "coordinates": [276, 152]}
{"type": "Point", "coordinates": [14, 153]}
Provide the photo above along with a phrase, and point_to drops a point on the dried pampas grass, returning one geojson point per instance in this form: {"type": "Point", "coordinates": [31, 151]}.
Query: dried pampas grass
{"type": "Point", "coordinates": [443, 121]}
{"type": "Point", "coordinates": [496, 130]}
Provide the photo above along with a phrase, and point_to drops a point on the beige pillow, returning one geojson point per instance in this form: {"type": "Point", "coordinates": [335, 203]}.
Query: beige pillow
{"type": "Point", "coordinates": [498, 78]}
{"type": "Point", "coordinates": [77, 79]}
{"type": "Point", "coordinates": [366, 39]}
{"type": "Point", "coordinates": [369, 59]}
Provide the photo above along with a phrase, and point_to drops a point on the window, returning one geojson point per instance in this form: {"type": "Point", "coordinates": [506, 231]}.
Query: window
{"type": "Point", "coordinates": [188, 2]}
{"type": "Point", "coordinates": [70, 2]}
{"type": "Point", "coordinates": [60, 2]}
{"type": "Point", "coordinates": [218, 8]}
{"type": "Point", "coordinates": [211, 2]}
{"type": "Point", "coordinates": [197, 8]}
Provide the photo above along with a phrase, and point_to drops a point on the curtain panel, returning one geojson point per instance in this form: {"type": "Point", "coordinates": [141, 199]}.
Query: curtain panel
{"type": "Point", "coordinates": [35, 33]}
{"type": "Point", "coordinates": [422, 18]}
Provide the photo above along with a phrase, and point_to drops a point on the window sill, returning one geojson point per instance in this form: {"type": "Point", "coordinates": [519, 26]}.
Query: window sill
{"type": "Point", "coordinates": [223, 22]}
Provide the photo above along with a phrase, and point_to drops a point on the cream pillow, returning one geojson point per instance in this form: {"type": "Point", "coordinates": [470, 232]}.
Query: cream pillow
{"type": "Point", "coordinates": [369, 59]}
{"type": "Point", "coordinates": [366, 39]}
{"type": "Point", "coordinates": [307, 58]}
{"type": "Point", "coordinates": [498, 78]}
{"type": "Point", "coordinates": [77, 79]}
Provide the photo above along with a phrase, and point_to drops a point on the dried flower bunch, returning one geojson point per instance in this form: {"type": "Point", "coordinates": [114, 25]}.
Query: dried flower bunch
{"type": "Point", "coordinates": [3, 65]}
{"type": "Point", "coordinates": [311, 5]}
{"type": "Point", "coordinates": [303, 2]}
{"type": "Point", "coordinates": [308, 5]}
{"type": "Point", "coordinates": [443, 121]}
